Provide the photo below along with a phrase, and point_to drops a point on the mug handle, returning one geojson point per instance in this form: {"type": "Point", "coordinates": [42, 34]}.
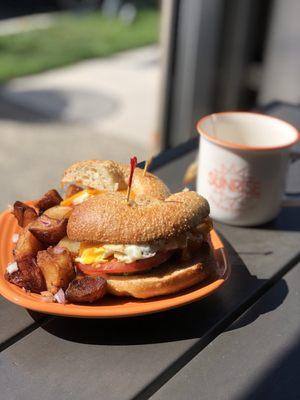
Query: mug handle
{"type": "Point", "coordinates": [190, 173]}
{"type": "Point", "coordinates": [290, 201]}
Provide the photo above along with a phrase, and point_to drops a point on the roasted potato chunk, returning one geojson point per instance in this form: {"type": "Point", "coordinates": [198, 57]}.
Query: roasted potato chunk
{"type": "Point", "coordinates": [50, 199]}
{"type": "Point", "coordinates": [86, 290]}
{"type": "Point", "coordinates": [72, 189]}
{"type": "Point", "coordinates": [71, 245]}
{"type": "Point", "coordinates": [29, 276]}
{"type": "Point", "coordinates": [49, 230]}
{"type": "Point", "coordinates": [24, 213]}
{"type": "Point", "coordinates": [27, 245]}
{"type": "Point", "coordinates": [58, 212]}
{"type": "Point", "coordinates": [57, 267]}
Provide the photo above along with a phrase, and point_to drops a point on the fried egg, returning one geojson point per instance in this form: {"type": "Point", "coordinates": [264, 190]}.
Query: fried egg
{"type": "Point", "coordinates": [128, 253]}
{"type": "Point", "coordinates": [90, 253]}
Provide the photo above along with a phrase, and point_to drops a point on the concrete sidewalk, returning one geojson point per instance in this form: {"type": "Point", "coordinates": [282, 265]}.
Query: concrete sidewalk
{"type": "Point", "coordinates": [104, 108]}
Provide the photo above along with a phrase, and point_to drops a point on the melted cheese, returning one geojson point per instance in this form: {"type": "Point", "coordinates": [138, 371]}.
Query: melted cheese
{"type": "Point", "coordinates": [85, 194]}
{"type": "Point", "coordinates": [80, 197]}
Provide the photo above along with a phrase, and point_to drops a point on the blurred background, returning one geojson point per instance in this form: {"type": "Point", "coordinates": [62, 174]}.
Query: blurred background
{"type": "Point", "coordinates": [109, 79]}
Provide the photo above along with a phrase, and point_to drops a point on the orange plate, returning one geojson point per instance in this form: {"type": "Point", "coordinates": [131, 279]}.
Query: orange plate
{"type": "Point", "coordinates": [110, 306]}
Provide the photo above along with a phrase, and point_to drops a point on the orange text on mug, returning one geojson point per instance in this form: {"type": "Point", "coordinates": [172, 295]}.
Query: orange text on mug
{"type": "Point", "coordinates": [233, 188]}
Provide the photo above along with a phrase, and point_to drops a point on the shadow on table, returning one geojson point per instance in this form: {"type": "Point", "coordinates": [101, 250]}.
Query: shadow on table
{"type": "Point", "coordinates": [287, 220]}
{"type": "Point", "coordinates": [280, 380]}
{"type": "Point", "coordinates": [189, 322]}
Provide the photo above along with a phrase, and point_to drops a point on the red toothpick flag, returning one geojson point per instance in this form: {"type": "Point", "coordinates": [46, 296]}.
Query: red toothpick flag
{"type": "Point", "coordinates": [133, 162]}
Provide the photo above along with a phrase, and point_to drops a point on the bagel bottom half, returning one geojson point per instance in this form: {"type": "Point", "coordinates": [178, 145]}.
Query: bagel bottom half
{"type": "Point", "coordinates": [173, 276]}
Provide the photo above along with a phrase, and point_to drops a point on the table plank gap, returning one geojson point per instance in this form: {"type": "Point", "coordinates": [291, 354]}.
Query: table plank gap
{"type": "Point", "coordinates": [24, 332]}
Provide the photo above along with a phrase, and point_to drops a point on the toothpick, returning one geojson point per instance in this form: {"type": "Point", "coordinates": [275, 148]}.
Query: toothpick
{"type": "Point", "coordinates": [147, 164]}
{"type": "Point", "coordinates": [133, 162]}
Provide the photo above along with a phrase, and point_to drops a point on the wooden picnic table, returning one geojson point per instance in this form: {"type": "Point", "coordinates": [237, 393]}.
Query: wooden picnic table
{"type": "Point", "coordinates": [242, 342]}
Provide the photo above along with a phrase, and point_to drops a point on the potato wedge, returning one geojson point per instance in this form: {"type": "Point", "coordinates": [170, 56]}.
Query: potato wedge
{"type": "Point", "coordinates": [71, 245]}
{"type": "Point", "coordinates": [57, 267]}
{"type": "Point", "coordinates": [27, 245]}
{"type": "Point", "coordinates": [49, 230]}
{"type": "Point", "coordinates": [86, 290]}
{"type": "Point", "coordinates": [72, 189]}
{"type": "Point", "coordinates": [58, 212]}
{"type": "Point", "coordinates": [50, 199]}
{"type": "Point", "coordinates": [24, 213]}
{"type": "Point", "coordinates": [28, 276]}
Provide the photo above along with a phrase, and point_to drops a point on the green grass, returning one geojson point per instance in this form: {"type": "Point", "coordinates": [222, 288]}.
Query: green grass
{"type": "Point", "coordinates": [73, 38]}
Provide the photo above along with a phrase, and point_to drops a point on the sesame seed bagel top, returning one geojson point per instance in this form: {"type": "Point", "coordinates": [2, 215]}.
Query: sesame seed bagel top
{"type": "Point", "coordinates": [108, 218]}
{"type": "Point", "coordinates": [145, 185]}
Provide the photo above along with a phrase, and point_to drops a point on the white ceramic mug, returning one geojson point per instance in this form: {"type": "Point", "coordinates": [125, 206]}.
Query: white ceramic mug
{"type": "Point", "coordinates": [242, 167]}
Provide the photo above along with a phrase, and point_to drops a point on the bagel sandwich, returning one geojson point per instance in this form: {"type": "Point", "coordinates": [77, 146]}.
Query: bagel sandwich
{"type": "Point", "coordinates": [143, 248]}
{"type": "Point", "coordinates": [43, 254]}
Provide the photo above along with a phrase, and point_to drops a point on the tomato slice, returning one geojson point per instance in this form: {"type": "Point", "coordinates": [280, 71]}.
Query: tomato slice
{"type": "Point", "coordinates": [116, 267]}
